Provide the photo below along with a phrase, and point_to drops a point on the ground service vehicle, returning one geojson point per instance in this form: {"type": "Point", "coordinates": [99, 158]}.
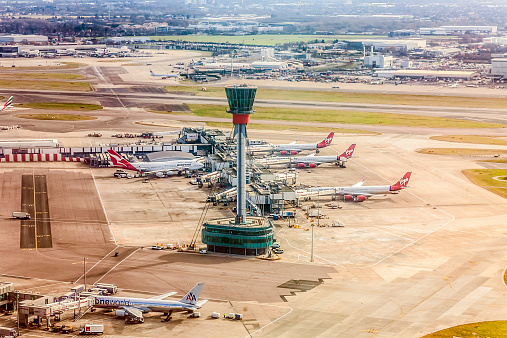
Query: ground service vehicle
{"type": "Point", "coordinates": [7, 331]}
{"type": "Point", "coordinates": [91, 329]}
{"type": "Point", "coordinates": [21, 214]}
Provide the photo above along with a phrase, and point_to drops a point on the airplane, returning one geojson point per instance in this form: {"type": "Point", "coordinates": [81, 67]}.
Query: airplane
{"type": "Point", "coordinates": [292, 148]}
{"type": "Point", "coordinates": [359, 193]}
{"type": "Point", "coordinates": [310, 161]}
{"type": "Point", "coordinates": [133, 308]}
{"type": "Point", "coordinates": [164, 76]}
{"type": "Point", "coordinates": [7, 104]}
{"type": "Point", "coordinates": [158, 168]}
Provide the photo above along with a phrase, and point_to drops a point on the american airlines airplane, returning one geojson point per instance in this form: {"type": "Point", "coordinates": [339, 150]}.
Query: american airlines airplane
{"type": "Point", "coordinates": [7, 104]}
{"type": "Point", "coordinates": [359, 193]}
{"type": "Point", "coordinates": [133, 308]}
{"type": "Point", "coordinates": [154, 167]}
{"type": "Point", "coordinates": [175, 75]}
{"type": "Point", "coordinates": [292, 148]}
{"type": "Point", "coordinates": [310, 161]}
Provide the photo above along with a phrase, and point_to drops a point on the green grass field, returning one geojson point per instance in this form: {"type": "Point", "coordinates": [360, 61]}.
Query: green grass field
{"type": "Point", "coordinates": [346, 97]}
{"type": "Point", "coordinates": [471, 139]}
{"type": "Point", "coordinates": [484, 179]}
{"type": "Point", "coordinates": [46, 85]}
{"type": "Point", "coordinates": [493, 329]}
{"type": "Point", "coordinates": [56, 117]}
{"type": "Point", "coordinates": [461, 151]}
{"type": "Point", "coordinates": [59, 106]}
{"type": "Point", "coordinates": [42, 76]}
{"type": "Point", "coordinates": [348, 117]}
{"type": "Point", "coordinates": [264, 39]}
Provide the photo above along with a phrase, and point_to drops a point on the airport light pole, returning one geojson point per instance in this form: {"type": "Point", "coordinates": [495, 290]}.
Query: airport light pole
{"type": "Point", "coordinates": [84, 271]}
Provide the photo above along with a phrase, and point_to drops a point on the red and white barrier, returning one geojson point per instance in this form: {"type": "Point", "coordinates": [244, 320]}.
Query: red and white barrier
{"type": "Point", "coordinates": [40, 158]}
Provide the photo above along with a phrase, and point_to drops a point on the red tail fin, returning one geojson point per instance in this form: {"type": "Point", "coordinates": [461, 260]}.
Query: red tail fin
{"type": "Point", "coordinates": [402, 183]}
{"type": "Point", "coordinates": [119, 161]}
{"type": "Point", "coordinates": [348, 153]}
{"type": "Point", "coordinates": [326, 142]}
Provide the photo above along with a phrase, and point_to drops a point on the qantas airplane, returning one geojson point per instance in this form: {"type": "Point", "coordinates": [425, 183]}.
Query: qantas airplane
{"type": "Point", "coordinates": [292, 148]}
{"type": "Point", "coordinates": [310, 161]}
{"type": "Point", "coordinates": [359, 193]}
{"type": "Point", "coordinates": [164, 75]}
{"type": "Point", "coordinates": [154, 167]}
{"type": "Point", "coordinates": [7, 104]}
{"type": "Point", "coordinates": [133, 308]}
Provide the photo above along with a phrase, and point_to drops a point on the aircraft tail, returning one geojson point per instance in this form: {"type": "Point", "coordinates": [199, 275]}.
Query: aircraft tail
{"type": "Point", "coordinates": [151, 73]}
{"type": "Point", "coordinates": [402, 183]}
{"type": "Point", "coordinates": [192, 296]}
{"type": "Point", "coordinates": [348, 153]}
{"type": "Point", "coordinates": [119, 161]}
{"type": "Point", "coordinates": [326, 142]}
{"type": "Point", "coordinates": [8, 104]}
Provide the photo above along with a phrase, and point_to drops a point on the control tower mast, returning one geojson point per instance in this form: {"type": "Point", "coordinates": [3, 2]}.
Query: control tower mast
{"type": "Point", "coordinates": [241, 99]}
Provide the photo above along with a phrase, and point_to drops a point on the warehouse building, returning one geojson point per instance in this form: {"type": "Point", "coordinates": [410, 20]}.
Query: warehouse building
{"type": "Point", "coordinates": [498, 68]}
{"type": "Point", "coordinates": [453, 75]}
{"type": "Point", "coordinates": [451, 30]}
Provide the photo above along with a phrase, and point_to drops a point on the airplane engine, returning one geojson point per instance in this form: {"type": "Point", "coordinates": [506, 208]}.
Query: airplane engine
{"type": "Point", "coordinates": [348, 197]}
{"type": "Point", "coordinates": [301, 165]}
{"type": "Point", "coordinates": [120, 313]}
{"type": "Point", "coordinates": [360, 198]}
{"type": "Point", "coordinates": [312, 165]}
{"type": "Point", "coordinates": [293, 152]}
{"type": "Point", "coordinates": [283, 152]}
{"type": "Point", "coordinates": [159, 174]}
{"type": "Point", "coordinates": [169, 173]}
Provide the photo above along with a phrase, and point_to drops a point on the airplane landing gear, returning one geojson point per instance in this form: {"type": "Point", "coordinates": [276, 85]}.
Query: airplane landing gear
{"type": "Point", "coordinates": [168, 318]}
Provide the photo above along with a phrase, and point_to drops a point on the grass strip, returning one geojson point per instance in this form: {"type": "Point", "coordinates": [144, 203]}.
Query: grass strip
{"type": "Point", "coordinates": [288, 127]}
{"type": "Point", "coordinates": [63, 65]}
{"type": "Point", "coordinates": [42, 76]}
{"type": "Point", "coordinates": [263, 39]}
{"type": "Point", "coordinates": [347, 97]}
{"type": "Point", "coordinates": [57, 117]}
{"type": "Point", "coordinates": [59, 106]}
{"type": "Point", "coordinates": [471, 139]}
{"type": "Point", "coordinates": [346, 117]}
{"type": "Point", "coordinates": [46, 85]}
{"type": "Point", "coordinates": [461, 151]}
{"type": "Point", "coordinates": [482, 329]}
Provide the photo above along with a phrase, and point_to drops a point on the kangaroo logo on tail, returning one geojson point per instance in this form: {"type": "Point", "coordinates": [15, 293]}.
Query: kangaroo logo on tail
{"type": "Point", "coordinates": [119, 161]}
{"type": "Point", "coordinates": [326, 142]}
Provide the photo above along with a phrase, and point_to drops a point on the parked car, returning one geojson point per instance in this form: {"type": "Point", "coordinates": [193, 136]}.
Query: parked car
{"type": "Point", "coordinates": [278, 251]}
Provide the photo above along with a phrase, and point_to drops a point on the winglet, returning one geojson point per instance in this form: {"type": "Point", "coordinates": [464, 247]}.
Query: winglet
{"type": "Point", "coordinates": [192, 296]}
{"type": "Point", "coordinates": [402, 183]}
{"type": "Point", "coordinates": [326, 142]}
{"type": "Point", "coordinates": [348, 153]}
{"type": "Point", "coordinates": [119, 161]}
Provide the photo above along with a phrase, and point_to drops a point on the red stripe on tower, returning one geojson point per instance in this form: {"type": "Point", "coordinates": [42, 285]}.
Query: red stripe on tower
{"type": "Point", "coordinates": [240, 118]}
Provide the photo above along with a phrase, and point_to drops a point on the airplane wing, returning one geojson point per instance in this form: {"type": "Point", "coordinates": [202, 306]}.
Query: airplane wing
{"type": "Point", "coordinates": [358, 184]}
{"type": "Point", "coordinates": [293, 142]}
{"type": "Point", "coordinates": [165, 295]}
{"type": "Point", "coordinates": [133, 312]}
{"type": "Point", "coordinates": [201, 302]}
{"type": "Point", "coordinates": [311, 155]}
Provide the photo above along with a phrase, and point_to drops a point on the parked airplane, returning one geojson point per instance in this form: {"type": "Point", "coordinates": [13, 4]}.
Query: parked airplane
{"type": "Point", "coordinates": [310, 161]}
{"type": "Point", "coordinates": [7, 104]}
{"type": "Point", "coordinates": [133, 308]}
{"type": "Point", "coordinates": [292, 148]}
{"type": "Point", "coordinates": [159, 168]}
{"type": "Point", "coordinates": [359, 193]}
{"type": "Point", "coordinates": [164, 76]}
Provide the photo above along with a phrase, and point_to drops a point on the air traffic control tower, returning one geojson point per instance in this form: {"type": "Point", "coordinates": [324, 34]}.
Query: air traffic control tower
{"type": "Point", "coordinates": [241, 235]}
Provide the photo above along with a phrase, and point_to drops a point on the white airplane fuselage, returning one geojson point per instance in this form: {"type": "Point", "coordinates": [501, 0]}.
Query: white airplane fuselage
{"type": "Point", "coordinates": [169, 165]}
{"type": "Point", "coordinates": [366, 190]}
